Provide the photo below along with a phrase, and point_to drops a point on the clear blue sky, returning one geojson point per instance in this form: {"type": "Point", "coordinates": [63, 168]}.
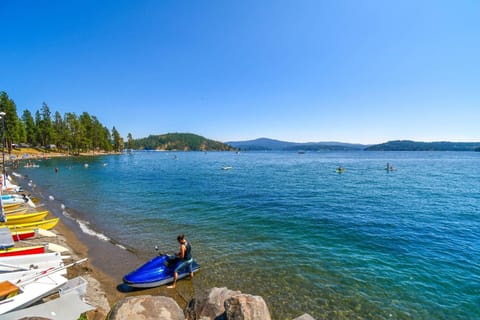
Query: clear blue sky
{"type": "Point", "coordinates": [297, 70]}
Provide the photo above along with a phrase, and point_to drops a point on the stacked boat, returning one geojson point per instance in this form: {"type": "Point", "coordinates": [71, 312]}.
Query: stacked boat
{"type": "Point", "coordinates": [31, 269]}
{"type": "Point", "coordinates": [20, 221]}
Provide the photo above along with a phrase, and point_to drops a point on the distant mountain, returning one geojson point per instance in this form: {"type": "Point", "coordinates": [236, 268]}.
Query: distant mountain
{"type": "Point", "coordinates": [408, 145]}
{"type": "Point", "coordinates": [180, 142]}
{"type": "Point", "coordinates": [265, 144]}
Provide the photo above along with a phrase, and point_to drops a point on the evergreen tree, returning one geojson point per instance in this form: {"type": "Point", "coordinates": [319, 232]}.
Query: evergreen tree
{"type": "Point", "coordinates": [106, 140]}
{"type": "Point", "coordinates": [87, 131]}
{"type": "Point", "coordinates": [47, 131]}
{"type": "Point", "coordinates": [30, 128]}
{"type": "Point", "coordinates": [12, 129]}
{"type": "Point", "coordinates": [130, 141]}
{"type": "Point", "coordinates": [117, 140]}
{"type": "Point", "coordinates": [38, 131]}
{"type": "Point", "coordinates": [61, 131]}
{"type": "Point", "coordinates": [73, 129]}
{"type": "Point", "coordinates": [76, 134]}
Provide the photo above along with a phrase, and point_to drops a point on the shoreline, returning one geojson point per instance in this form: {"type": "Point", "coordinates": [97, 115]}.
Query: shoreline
{"type": "Point", "coordinates": [99, 293]}
{"type": "Point", "coordinates": [105, 286]}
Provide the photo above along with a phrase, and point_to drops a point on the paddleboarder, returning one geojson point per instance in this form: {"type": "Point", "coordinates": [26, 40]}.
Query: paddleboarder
{"type": "Point", "coordinates": [185, 254]}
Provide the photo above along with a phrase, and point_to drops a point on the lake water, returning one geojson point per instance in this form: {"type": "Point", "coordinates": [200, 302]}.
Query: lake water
{"type": "Point", "coordinates": [363, 244]}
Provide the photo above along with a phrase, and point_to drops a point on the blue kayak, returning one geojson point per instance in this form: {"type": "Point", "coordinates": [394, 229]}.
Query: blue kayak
{"type": "Point", "coordinates": [157, 272]}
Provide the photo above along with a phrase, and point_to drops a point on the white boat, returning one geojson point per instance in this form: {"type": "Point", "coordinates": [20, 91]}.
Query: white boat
{"type": "Point", "coordinates": [66, 307]}
{"type": "Point", "coordinates": [16, 198]}
{"type": "Point", "coordinates": [8, 185]}
{"type": "Point", "coordinates": [12, 200]}
{"type": "Point", "coordinates": [29, 290]}
{"type": "Point", "coordinates": [17, 276]}
{"type": "Point", "coordinates": [31, 261]}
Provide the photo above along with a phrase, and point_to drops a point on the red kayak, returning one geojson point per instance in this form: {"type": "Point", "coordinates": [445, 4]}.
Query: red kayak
{"type": "Point", "coordinates": [21, 251]}
{"type": "Point", "coordinates": [22, 235]}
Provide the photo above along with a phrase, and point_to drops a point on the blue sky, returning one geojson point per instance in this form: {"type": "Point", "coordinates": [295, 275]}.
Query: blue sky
{"type": "Point", "coordinates": [299, 70]}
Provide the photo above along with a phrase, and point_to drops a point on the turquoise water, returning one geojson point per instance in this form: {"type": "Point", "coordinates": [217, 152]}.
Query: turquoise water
{"type": "Point", "coordinates": [364, 244]}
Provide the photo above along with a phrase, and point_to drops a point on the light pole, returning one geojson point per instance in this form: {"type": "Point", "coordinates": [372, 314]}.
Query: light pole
{"type": "Point", "coordinates": [2, 115]}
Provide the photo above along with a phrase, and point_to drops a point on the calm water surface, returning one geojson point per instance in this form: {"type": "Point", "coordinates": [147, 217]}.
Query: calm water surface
{"type": "Point", "coordinates": [364, 244]}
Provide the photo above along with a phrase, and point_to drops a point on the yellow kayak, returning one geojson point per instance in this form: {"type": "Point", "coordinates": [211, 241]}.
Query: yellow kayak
{"type": "Point", "coordinates": [12, 206]}
{"type": "Point", "coordinates": [21, 209]}
{"type": "Point", "coordinates": [44, 224]}
{"type": "Point", "coordinates": [24, 217]}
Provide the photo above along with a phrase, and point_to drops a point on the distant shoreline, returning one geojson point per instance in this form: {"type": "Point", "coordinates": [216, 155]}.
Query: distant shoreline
{"type": "Point", "coordinates": [264, 144]}
{"type": "Point", "coordinates": [35, 154]}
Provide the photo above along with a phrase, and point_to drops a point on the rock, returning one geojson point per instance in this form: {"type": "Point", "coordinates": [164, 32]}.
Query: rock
{"type": "Point", "coordinates": [34, 318]}
{"type": "Point", "coordinates": [305, 316]}
{"type": "Point", "coordinates": [246, 307]}
{"type": "Point", "coordinates": [97, 314]}
{"type": "Point", "coordinates": [209, 304]}
{"type": "Point", "coordinates": [146, 308]}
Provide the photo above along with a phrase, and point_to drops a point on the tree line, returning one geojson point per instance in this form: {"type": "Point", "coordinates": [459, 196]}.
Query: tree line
{"type": "Point", "coordinates": [69, 133]}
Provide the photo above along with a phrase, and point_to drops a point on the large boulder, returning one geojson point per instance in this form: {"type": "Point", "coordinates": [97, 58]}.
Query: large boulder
{"type": "Point", "coordinates": [146, 308]}
{"type": "Point", "coordinates": [209, 304]}
{"type": "Point", "coordinates": [246, 307]}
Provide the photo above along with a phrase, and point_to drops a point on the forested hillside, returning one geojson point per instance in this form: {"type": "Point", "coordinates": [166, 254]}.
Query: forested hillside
{"type": "Point", "coordinates": [69, 132]}
{"type": "Point", "coordinates": [407, 145]}
{"type": "Point", "coordinates": [179, 141]}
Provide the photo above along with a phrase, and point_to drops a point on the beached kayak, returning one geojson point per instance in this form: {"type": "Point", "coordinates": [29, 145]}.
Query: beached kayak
{"type": "Point", "coordinates": [21, 251]}
{"type": "Point", "coordinates": [44, 224]}
{"type": "Point", "coordinates": [22, 235]}
{"type": "Point", "coordinates": [24, 217]}
{"type": "Point", "coordinates": [157, 272]}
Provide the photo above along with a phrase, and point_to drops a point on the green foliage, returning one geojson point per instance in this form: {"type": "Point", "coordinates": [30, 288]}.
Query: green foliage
{"type": "Point", "coordinates": [69, 133]}
{"type": "Point", "coordinates": [130, 141]}
{"type": "Point", "coordinates": [12, 123]}
{"type": "Point", "coordinates": [117, 140]}
{"type": "Point", "coordinates": [180, 141]}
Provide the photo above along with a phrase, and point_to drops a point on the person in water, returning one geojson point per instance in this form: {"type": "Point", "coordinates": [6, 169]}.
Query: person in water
{"type": "Point", "coordinates": [185, 254]}
{"type": "Point", "coordinates": [389, 167]}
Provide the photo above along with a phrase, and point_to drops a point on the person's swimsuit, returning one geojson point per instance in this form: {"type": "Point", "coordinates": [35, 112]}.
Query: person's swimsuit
{"type": "Point", "coordinates": [187, 260]}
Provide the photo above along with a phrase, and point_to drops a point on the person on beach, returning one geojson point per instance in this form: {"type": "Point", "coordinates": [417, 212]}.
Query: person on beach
{"type": "Point", "coordinates": [185, 254]}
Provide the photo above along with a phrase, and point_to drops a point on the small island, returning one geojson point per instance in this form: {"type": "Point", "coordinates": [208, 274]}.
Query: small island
{"type": "Point", "coordinates": [179, 142]}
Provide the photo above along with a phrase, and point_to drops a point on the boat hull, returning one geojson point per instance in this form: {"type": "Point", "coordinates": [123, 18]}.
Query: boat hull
{"type": "Point", "coordinates": [33, 291]}
{"type": "Point", "coordinates": [22, 235]}
{"type": "Point", "coordinates": [22, 251]}
{"type": "Point", "coordinates": [25, 217]}
{"type": "Point", "coordinates": [35, 261]}
{"type": "Point", "coordinates": [44, 224]}
{"type": "Point", "coordinates": [156, 272]}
